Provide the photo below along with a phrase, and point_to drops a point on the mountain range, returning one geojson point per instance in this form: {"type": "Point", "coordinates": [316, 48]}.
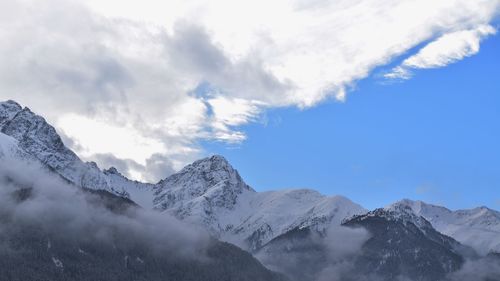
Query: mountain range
{"type": "Point", "coordinates": [292, 231]}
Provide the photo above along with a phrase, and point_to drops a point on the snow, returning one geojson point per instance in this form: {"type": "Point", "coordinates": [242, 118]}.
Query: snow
{"type": "Point", "coordinates": [140, 193]}
{"type": "Point", "coordinates": [211, 193]}
{"type": "Point", "coordinates": [8, 146]}
{"type": "Point", "coordinates": [29, 135]}
{"type": "Point", "coordinates": [478, 228]}
{"type": "Point", "coordinates": [58, 263]}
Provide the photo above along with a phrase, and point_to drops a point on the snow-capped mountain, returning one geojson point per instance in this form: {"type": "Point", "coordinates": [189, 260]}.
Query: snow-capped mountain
{"type": "Point", "coordinates": [478, 227]}
{"type": "Point", "coordinates": [53, 230]}
{"type": "Point", "coordinates": [399, 245]}
{"type": "Point", "coordinates": [404, 244]}
{"type": "Point", "coordinates": [35, 137]}
{"type": "Point", "coordinates": [210, 192]}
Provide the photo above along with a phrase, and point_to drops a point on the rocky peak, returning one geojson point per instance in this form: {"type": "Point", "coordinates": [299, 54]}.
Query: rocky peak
{"type": "Point", "coordinates": [40, 140]}
{"type": "Point", "coordinates": [205, 174]}
{"type": "Point", "coordinates": [112, 171]}
{"type": "Point", "coordinates": [8, 109]}
{"type": "Point", "coordinates": [204, 186]}
{"type": "Point", "coordinates": [28, 128]}
{"type": "Point", "coordinates": [399, 212]}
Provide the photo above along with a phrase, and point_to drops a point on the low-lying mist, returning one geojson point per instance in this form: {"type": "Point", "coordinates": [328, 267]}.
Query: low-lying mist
{"type": "Point", "coordinates": [331, 255]}
{"type": "Point", "coordinates": [32, 198]}
{"type": "Point", "coordinates": [37, 202]}
{"type": "Point", "coordinates": [305, 254]}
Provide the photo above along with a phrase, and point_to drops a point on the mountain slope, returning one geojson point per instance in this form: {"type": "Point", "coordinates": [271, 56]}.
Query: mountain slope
{"type": "Point", "coordinates": [398, 245]}
{"type": "Point", "coordinates": [51, 230]}
{"type": "Point", "coordinates": [40, 140]}
{"type": "Point", "coordinates": [478, 228]}
{"type": "Point", "coordinates": [403, 244]}
{"type": "Point", "coordinates": [211, 193]}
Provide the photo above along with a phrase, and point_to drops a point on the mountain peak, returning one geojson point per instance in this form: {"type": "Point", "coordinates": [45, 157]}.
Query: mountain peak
{"type": "Point", "coordinates": [211, 169]}
{"type": "Point", "coordinates": [112, 170]}
{"type": "Point", "coordinates": [8, 109]}
{"type": "Point", "coordinates": [11, 103]}
{"type": "Point", "coordinates": [213, 162]}
{"type": "Point", "coordinates": [38, 138]}
{"type": "Point", "coordinates": [209, 178]}
{"type": "Point", "coordinates": [402, 211]}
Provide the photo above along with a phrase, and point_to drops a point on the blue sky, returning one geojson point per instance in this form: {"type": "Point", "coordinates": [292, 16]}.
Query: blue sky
{"type": "Point", "coordinates": [435, 137]}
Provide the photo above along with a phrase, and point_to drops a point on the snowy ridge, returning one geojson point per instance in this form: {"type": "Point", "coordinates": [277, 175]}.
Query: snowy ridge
{"type": "Point", "coordinates": [211, 193]}
{"type": "Point", "coordinates": [478, 228]}
{"type": "Point", "coordinates": [271, 214]}
{"type": "Point", "coordinates": [404, 213]}
{"type": "Point", "coordinates": [139, 192]}
{"type": "Point", "coordinates": [38, 139]}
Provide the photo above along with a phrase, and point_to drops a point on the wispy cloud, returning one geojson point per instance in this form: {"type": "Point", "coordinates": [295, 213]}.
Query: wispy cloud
{"type": "Point", "coordinates": [443, 51]}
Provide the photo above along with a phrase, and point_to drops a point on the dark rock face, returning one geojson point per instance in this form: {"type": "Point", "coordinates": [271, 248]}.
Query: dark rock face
{"type": "Point", "coordinates": [407, 246]}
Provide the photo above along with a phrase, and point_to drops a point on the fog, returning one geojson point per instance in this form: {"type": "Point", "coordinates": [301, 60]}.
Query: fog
{"type": "Point", "coordinates": [31, 197]}
{"type": "Point", "coordinates": [331, 255]}
{"type": "Point", "coordinates": [484, 269]}
{"type": "Point", "coordinates": [310, 255]}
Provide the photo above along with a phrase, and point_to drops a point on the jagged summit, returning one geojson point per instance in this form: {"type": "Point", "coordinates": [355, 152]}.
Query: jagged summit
{"type": "Point", "coordinates": [8, 109]}
{"type": "Point", "coordinates": [213, 169]}
{"type": "Point", "coordinates": [39, 139]}
{"type": "Point", "coordinates": [212, 177]}
{"type": "Point", "coordinates": [112, 170]}
{"type": "Point", "coordinates": [398, 213]}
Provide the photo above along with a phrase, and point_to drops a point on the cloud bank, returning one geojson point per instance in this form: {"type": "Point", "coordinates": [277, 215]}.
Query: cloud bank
{"type": "Point", "coordinates": [31, 198]}
{"type": "Point", "coordinates": [156, 77]}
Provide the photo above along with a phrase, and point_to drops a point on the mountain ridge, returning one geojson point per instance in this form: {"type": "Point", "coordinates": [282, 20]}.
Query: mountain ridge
{"type": "Point", "coordinates": [211, 193]}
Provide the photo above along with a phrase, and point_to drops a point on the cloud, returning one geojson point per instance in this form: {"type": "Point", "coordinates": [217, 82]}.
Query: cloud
{"type": "Point", "coordinates": [136, 68]}
{"type": "Point", "coordinates": [313, 255]}
{"type": "Point", "coordinates": [484, 269]}
{"type": "Point", "coordinates": [443, 51]}
{"type": "Point", "coordinates": [65, 212]}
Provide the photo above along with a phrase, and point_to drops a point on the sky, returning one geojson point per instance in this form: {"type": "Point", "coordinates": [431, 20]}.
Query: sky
{"type": "Point", "coordinates": [373, 100]}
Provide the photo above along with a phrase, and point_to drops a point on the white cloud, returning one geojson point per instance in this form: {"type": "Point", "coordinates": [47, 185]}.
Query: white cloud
{"type": "Point", "coordinates": [447, 49]}
{"type": "Point", "coordinates": [229, 113]}
{"type": "Point", "coordinates": [98, 137]}
{"type": "Point", "coordinates": [135, 65]}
